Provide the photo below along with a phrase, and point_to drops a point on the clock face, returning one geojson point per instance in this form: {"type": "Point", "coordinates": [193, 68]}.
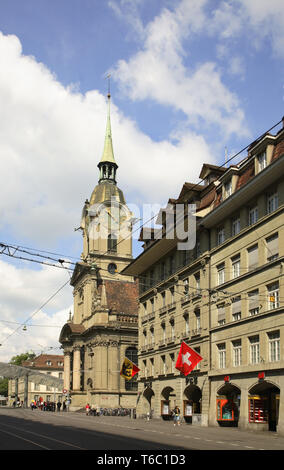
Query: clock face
{"type": "Point", "coordinates": [110, 218]}
{"type": "Point", "coordinates": [112, 268]}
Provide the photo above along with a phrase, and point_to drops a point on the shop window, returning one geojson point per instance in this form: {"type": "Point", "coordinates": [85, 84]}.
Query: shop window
{"type": "Point", "coordinates": [258, 409]}
{"type": "Point", "coordinates": [226, 410]}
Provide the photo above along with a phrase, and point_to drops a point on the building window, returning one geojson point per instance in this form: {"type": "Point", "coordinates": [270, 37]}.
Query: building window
{"type": "Point", "coordinates": [236, 266]}
{"type": "Point", "coordinates": [253, 299]}
{"type": "Point", "coordinates": [197, 320]}
{"type": "Point", "coordinates": [220, 235]}
{"type": "Point", "coordinates": [236, 226]}
{"type": "Point", "coordinates": [172, 323]}
{"type": "Point", "coordinates": [48, 363]}
{"type": "Point", "coordinates": [145, 337]}
{"type": "Point", "coordinates": [145, 369]}
{"type": "Point", "coordinates": [253, 215]}
{"type": "Point", "coordinates": [262, 163]}
{"type": "Point", "coordinates": [273, 295]}
{"type": "Point", "coordinates": [152, 372]}
{"type": "Point", "coordinates": [132, 354]}
{"type": "Point", "coordinates": [152, 333]}
{"type": "Point", "coordinates": [163, 332]}
{"type": "Point", "coordinates": [172, 361]}
{"type": "Point", "coordinates": [272, 249]}
{"type": "Point", "coordinates": [221, 273]}
{"type": "Point", "coordinates": [112, 243]}
{"type": "Point", "coordinates": [274, 346]}
{"type": "Point", "coordinates": [172, 296]}
{"type": "Point", "coordinates": [185, 286]}
{"type": "Point", "coordinates": [236, 308]}
{"type": "Point", "coordinates": [237, 353]}
{"type": "Point", "coordinates": [253, 257]}
{"type": "Point", "coordinates": [197, 282]}
{"type": "Point", "coordinates": [186, 319]}
{"type": "Point", "coordinates": [272, 202]}
{"type": "Point", "coordinates": [152, 305]}
{"type": "Point", "coordinates": [197, 349]}
{"type": "Point", "coordinates": [228, 188]}
{"type": "Point", "coordinates": [164, 367]}
{"type": "Point", "coordinates": [254, 349]}
{"type": "Point", "coordinates": [222, 355]}
{"type": "Point", "coordinates": [221, 318]}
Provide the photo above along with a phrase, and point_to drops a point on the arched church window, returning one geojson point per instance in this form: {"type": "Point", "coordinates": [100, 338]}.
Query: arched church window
{"type": "Point", "coordinates": [112, 243]}
{"type": "Point", "coordinates": [132, 354]}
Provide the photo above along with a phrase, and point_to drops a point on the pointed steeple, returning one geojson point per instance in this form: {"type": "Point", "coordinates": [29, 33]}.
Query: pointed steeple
{"type": "Point", "coordinates": [107, 164]}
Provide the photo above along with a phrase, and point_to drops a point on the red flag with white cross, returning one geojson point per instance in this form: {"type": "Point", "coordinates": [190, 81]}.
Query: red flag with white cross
{"type": "Point", "coordinates": [187, 359]}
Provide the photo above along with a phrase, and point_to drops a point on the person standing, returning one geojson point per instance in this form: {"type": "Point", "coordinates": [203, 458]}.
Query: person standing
{"type": "Point", "coordinates": [87, 409]}
{"type": "Point", "coordinates": [176, 414]}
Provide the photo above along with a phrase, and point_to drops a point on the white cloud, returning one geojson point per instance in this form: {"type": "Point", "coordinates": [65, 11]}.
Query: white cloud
{"type": "Point", "coordinates": [257, 20]}
{"type": "Point", "coordinates": [51, 141]}
{"type": "Point", "coordinates": [23, 293]}
{"type": "Point", "coordinates": [157, 72]}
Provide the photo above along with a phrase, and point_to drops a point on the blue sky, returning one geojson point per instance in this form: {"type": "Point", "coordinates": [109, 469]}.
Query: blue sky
{"type": "Point", "coordinates": [188, 78]}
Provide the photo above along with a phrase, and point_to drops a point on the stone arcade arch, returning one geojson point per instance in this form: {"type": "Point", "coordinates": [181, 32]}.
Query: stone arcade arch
{"type": "Point", "coordinates": [228, 404]}
{"type": "Point", "coordinates": [168, 398]}
{"type": "Point", "coordinates": [148, 394]}
{"type": "Point", "coordinates": [192, 402]}
{"type": "Point", "coordinates": [264, 398]}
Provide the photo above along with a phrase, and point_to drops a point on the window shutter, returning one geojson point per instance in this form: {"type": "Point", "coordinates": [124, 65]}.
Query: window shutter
{"type": "Point", "coordinates": [253, 300]}
{"type": "Point", "coordinates": [236, 305]}
{"type": "Point", "coordinates": [253, 257]}
{"type": "Point", "coordinates": [272, 246]}
{"type": "Point", "coordinates": [221, 312]}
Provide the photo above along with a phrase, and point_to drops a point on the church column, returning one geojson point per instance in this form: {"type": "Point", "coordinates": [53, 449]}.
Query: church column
{"type": "Point", "coordinates": [67, 370]}
{"type": "Point", "coordinates": [114, 365]}
{"type": "Point", "coordinates": [76, 367]}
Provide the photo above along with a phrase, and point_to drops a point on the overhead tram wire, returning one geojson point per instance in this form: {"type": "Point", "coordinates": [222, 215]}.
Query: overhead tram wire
{"type": "Point", "coordinates": [131, 234]}
{"type": "Point", "coordinates": [33, 314]}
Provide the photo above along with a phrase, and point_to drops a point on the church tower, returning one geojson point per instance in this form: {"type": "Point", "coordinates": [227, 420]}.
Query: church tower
{"type": "Point", "coordinates": [104, 327]}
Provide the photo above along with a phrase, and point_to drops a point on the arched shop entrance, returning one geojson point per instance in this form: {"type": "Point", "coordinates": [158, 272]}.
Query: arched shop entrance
{"type": "Point", "coordinates": [148, 394]}
{"type": "Point", "coordinates": [192, 402]}
{"type": "Point", "coordinates": [264, 404]}
{"type": "Point", "coordinates": [228, 405]}
{"type": "Point", "coordinates": [168, 398]}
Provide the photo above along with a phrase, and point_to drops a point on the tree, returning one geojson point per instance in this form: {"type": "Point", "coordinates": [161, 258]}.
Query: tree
{"type": "Point", "coordinates": [20, 358]}
{"type": "Point", "coordinates": [4, 386]}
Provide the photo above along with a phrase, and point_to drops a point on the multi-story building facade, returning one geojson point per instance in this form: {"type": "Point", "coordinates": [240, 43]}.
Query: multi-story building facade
{"type": "Point", "coordinates": [104, 327]}
{"type": "Point", "coordinates": [224, 298]}
{"type": "Point", "coordinates": [49, 364]}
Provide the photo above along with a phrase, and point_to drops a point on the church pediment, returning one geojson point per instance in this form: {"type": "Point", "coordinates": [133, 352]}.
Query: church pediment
{"type": "Point", "coordinates": [70, 330]}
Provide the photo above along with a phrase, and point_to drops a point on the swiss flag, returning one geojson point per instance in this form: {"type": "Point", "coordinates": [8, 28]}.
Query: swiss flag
{"type": "Point", "coordinates": [187, 359]}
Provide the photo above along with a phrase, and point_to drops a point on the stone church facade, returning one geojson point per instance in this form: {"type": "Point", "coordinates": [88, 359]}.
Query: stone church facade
{"type": "Point", "coordinates": [104, 327]}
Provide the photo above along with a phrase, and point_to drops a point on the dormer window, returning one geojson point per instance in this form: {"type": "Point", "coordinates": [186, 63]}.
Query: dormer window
{"type": "Point", "coordinates": [262, 162]}
{"type": "Point", "coordinates": [228, 188]}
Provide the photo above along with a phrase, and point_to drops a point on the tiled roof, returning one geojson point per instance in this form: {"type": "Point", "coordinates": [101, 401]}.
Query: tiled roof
{"type": "Point", "coordinates": [40, 362]}
{"type": "Point", "coordinates": [122, 296]}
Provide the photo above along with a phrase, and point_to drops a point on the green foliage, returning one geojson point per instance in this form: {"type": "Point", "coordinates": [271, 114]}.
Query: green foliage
{"type": "Point", "coordinates": [18, 360]}
{"type": "Point", "coordinates": [4, 387]}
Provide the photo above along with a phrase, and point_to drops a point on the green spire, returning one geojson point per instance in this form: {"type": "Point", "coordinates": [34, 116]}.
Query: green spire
{"type": "Point", "coordinates": [108, 148]}
{"type": "Point", "coordinates": [107, 164]}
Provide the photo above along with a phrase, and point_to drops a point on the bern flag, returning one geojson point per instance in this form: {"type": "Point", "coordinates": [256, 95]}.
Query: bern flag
{"type": "Point", "coordinates": [128, 369]}
{"type": "Point", "coordinates": [187, 359]}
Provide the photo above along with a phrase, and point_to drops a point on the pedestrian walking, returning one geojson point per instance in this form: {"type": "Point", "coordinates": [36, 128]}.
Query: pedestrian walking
{"type": "Point", "coordinates": [176, 415]}
{"type": "Point", "coordinates": [58, 405]}
{"type": "Point", "coordinates": [87, 409]}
